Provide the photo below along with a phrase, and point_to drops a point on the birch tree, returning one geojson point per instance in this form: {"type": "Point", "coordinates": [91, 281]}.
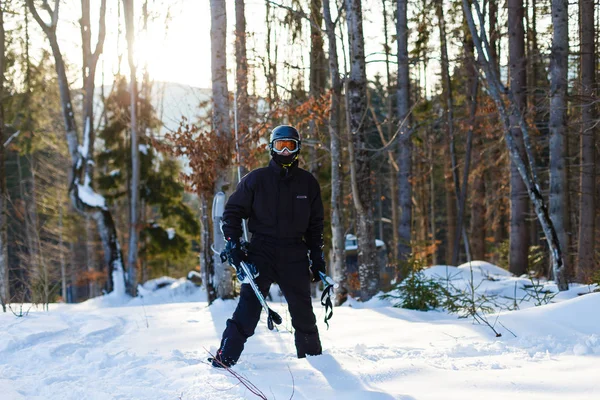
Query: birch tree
{"type": "Point", "coordinates": [4, 282]}
{"type": "Point", "coordinates": [559, 190]}
{"type": "Point", "coordinates": [360, 170]}
{"type": "Point", "coordinates": [338, 266]}
{"type": "Point", "coordinates": [522, 163]}
{"type": "Point", "coordinates": [587, 199]}
{"type": "Point", "coordinates": [134, 201]}
{"type": "Point", "coordinates": [85, 200]}
{"type": "Point", "coordinates": [221, 126]}
{"type": "Point", "coordinates": [404, 144]}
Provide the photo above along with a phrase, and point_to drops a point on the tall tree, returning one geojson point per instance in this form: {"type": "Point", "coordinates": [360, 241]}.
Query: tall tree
{"type": "Point", "coordinates": [338, 267]}
{"type": "Point", "coordinates": [404, 143]}
{"type": "Point", "coordinates": [4, 283]}
{"type": "Point", "coordinates": [318, 72]}
{"type": "Point", "coordinates": [356, 109]}
{"type": "Point", "coordinates": [455, 201]}
{"type": "Point", "coordinates": [524, 164]}
{"type": "Point", "coordinates": [241, 80]}
{"type": "Point", "coordinates": [559, 189]}
{"type": "Point", "coordinates": [587, 201]}
{"type": "Point", "coordinates": [519, 205]}
{"type": "Point", "coordinates": [134, 202]}
{"type": "Point", "coordinates": [393, 166]}
{"type": "Point", "coordinates": [472, 87]}
{"type": "Point", "coordinates": [85, 26]}
{"type": "Point", "coordinates": [221, 127]}
{"type": "Point", "coordinates": [83, 197]}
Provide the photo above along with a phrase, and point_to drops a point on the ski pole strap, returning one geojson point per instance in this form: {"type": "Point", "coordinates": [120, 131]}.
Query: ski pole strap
{"type": "Point", "coordinates": [326, 297]}
{"type": "Point", "coordinates": [326, 302]}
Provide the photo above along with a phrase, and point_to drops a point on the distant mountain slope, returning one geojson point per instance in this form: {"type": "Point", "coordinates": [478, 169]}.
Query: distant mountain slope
{"type": "Point", "coordinates": [172, 101]}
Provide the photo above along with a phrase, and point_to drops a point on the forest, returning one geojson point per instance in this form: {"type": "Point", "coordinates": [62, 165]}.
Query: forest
{"type": "Point", "coordinates": [441, 132]}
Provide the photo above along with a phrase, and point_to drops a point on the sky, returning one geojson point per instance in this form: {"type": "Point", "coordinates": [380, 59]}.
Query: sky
{"type": "Point", "coordinates": [155, 347]}
{"type": "Point", "coordinates": [176, 46]}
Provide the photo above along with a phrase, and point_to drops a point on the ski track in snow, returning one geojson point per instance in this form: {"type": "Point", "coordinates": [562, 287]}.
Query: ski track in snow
{"type": "Point", "coordinates": [94, 351]}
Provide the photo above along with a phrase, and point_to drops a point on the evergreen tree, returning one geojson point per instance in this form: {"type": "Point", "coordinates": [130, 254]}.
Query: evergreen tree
{"type": "Point", "coordinates": [168, 225]}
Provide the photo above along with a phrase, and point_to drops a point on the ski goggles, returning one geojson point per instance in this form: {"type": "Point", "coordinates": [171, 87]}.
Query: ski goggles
{"type": "Point", "coordinates": [279, 145]}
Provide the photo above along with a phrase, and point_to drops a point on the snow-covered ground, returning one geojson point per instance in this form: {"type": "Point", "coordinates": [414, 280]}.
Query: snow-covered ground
{"type": "Point", "coordinates": [156, 347]}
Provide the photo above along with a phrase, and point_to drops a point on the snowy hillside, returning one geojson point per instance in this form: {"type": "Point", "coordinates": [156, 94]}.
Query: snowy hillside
{"type": "Point", "coordinates": [156, 347]}
{"type": "Point", "coordinates": [171, 101]}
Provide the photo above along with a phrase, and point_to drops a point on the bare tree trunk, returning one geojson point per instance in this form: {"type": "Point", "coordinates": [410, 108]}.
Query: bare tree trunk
{"type": "Point", "coordinates": [241, 79]}
{"type": "Point", "coordinates": [499, 214]}
{"type": "Point", "coordinates": [221, 126]}
{"type": "Point", "coordinates": [393, 167]}
{"type": "Point", "coordinates": [434, 245]}
{"type": "Point", "coordinates": [524, 168]}
{"type": "Point", "coordinates": [494, 34]}
{"type": "Point", "coordinates": [90, 255]}
{"type": "Point", "coordinates": [559, 188]}
{"type": "Point", "coordinates": [4, 278]}
{"type": "Point", "coordinates": [206, 256]}
{"type": "Point", "coordinates": [338, 267]}
{"type": "Point", "coordinates": [356, 98]}
{"type": "Point", "coordinates": [472, 90]}
{"type": "Point", "coordinates": [478, 202]}
{"type": "Point", "coordinates": [61, 244]}
{"type": "Point", "coordinates": [134, 205]}
{"type": "Point", "coordinates": [318, 74]}
{"type": "Point", "coordinates": [80, 157]}
{"type": "Point", "coordinates": [450, 211]}
{"type": "Point", "coordinates": [404, 144]}
{"type": "Point", "coordinates": [449, 125]}
{"type": "Point", "coordinates": [519, 206]}
{"type": "Point", "coordinates": [587, 201]}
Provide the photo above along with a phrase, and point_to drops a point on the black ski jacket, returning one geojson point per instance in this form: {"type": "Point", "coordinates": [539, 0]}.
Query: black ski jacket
{"type": "Point", "coordinates": [283, 204]}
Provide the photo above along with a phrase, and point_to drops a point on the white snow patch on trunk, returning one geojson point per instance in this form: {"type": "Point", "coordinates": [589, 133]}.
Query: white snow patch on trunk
{"type": "Point", "coordinates": [89, 197]}
{"type": "Point", "coordinates": [170, 233]}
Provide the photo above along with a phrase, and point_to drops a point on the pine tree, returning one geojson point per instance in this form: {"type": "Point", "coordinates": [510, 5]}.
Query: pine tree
{"type": "Point", "coordinates": [170, 225]}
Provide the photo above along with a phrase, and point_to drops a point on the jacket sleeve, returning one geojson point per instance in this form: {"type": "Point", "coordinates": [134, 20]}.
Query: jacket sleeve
{"type": "Point", "coordinates": [314, 233]}
{"type": "Point", "coordinates": [238, 207]}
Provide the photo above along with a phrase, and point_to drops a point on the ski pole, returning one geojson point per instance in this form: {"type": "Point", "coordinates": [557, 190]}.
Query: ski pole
{"type": "Point", "coordinates": [272, 316]}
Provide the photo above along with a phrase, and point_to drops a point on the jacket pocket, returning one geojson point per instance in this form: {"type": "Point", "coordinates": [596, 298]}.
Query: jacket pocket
{"type": "Point", "coordinates": [301, 203]}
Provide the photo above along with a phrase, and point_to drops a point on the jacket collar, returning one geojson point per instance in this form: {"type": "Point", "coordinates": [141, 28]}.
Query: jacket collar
{"type": "Point", "coordinates": [281, 171]}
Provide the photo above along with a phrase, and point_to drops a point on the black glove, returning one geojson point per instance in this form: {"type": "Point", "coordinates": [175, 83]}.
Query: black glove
{"type": "Point", "coordinates": [317, 264]}
{"type": "Point", "coordinates": [236, 254]}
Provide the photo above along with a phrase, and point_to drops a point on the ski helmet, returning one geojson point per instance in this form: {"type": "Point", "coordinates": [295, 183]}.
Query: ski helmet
{"type": "Point", "coordinates": [289, 138]}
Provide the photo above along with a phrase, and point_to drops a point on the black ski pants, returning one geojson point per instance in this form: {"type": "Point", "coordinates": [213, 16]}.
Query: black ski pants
{"type": "Point", "coordinates": [284, 262]}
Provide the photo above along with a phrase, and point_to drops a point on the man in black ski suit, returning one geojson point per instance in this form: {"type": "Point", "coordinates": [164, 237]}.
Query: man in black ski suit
{"type": "Point", "coordinates": [283, 205]}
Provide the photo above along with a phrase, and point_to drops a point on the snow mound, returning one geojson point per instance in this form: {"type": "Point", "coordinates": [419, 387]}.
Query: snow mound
{"type": "Point", "coordinates": [484, 268]}
{"type": "Point", "coordinates": [168, 290]}
{"type": "Point", "coordinates": [442, 272]}
{"type": "Point", "coordinates": [155, 284]}
{"type": "Point", "coordinates": [156, 291]}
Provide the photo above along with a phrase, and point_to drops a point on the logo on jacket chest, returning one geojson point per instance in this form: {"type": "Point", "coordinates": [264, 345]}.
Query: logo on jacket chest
{"type": "Point", "coordinates": [301, 196]}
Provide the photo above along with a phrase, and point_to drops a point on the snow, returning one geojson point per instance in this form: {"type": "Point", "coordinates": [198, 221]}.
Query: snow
{"type": "Point", "coordinates": [91, 198]}
{"type": "Point", "coordinates": [155, 347]}
{"type": "Point", "coordinates": [83, 150]}
{"type": "Point", "coordinates": [170, 233]}
{"type": "Point", "coordinates": [352, 242]}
